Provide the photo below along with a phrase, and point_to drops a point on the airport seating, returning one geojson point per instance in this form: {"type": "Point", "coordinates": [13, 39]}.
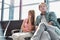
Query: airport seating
{"type": "Point", "coordinates": [14, 25]}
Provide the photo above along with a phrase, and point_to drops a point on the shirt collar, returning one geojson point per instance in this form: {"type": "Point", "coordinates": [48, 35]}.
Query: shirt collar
{"type": "Point", "coordinates": [43, 14]}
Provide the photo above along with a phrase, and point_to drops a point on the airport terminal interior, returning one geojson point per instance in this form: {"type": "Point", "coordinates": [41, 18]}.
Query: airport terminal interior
{"type": "Point", "coordinates": [13, 12]}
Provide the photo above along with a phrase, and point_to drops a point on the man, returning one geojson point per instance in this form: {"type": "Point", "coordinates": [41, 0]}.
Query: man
{"type": "Point", "coordinates": [47, 27]}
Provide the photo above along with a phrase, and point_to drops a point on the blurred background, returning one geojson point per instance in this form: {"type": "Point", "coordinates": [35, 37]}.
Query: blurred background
{"type": "Point", "coordinates": [12, 12]}
{"type": "Point", "coordinates": [18, 9]}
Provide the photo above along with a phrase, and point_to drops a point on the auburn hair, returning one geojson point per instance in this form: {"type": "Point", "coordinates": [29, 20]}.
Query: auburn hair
{"type": "Point", "coordinates": [32, 13]}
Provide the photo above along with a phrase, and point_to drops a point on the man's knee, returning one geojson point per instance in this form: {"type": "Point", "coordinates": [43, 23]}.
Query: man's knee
{"type": "Point", "coordinates": [42, 25]}
{"type": "Point", "coordinates": [45, 35]}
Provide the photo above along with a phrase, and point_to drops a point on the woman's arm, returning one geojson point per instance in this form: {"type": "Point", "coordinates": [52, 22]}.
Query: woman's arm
{"type": "Point", "coordinates": [22, 27]}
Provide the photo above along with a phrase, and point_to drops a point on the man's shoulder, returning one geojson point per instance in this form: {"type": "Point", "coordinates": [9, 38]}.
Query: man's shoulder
{"type": "Point", "coordinates": [51, 13]}
{"type": "Point", "coordinates": [38, 16]}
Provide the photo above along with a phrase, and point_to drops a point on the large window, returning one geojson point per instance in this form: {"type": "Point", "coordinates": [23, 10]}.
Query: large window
{"type": "Point", "coordinates": [0, 8]}
{"type": "Point", "coordinates": [11, 5]}
{"type": "Point", "coordinates": [55, 7]}
{"type": "Point", "coordinates": [6, 10]}
{"type": "Point", "coordinates": [0, 15]}
{"type": "Point", "coordinates": [12, 9]}
{"type": "Point", "coordinates": [16, 9]}
{"type": "Point", "coordinates": [16, 13]}
{"type": "Point", "coordinates": [6, 15]}
{"type": "Point", "coordinates": [30, 5]}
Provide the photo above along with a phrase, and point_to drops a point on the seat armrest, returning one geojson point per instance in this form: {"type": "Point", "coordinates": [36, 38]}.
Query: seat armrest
{"type": "Point", "coordinates": [15, 30]}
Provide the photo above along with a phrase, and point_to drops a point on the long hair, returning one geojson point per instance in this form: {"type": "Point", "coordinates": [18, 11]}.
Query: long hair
{"type": "Point", "coordinates": [32, 13]}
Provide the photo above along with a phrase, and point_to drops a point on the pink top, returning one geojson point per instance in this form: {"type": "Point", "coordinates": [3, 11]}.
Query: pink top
{"type": "Point", "coordinates": [27, 25]}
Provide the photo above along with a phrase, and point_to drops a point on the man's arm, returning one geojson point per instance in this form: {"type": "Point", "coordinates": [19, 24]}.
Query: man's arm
{"type": "Point", "coordinates": [53, 19]}
{"type": "Point", "coordinates": [37, 22]}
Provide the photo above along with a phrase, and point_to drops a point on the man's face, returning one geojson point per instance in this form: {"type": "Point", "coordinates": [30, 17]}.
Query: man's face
{"type": "Point", "coordinates": [43, 8]}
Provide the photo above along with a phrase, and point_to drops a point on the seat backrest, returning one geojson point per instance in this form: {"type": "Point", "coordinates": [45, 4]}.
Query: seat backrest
{"type": "Point", "coordinates": [58, 19]}
{"type": "Point", "coordinates": [13, 25]}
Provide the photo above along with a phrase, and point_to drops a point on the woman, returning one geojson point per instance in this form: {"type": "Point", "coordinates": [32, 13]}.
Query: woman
{"type": "Point", "coordinates": [27, 27]}
{"type": "Point", "coordinates": [28, 23]}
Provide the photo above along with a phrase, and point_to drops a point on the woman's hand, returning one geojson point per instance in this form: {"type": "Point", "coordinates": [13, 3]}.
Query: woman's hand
{"type": "Point", "coordinates": [50, 23]}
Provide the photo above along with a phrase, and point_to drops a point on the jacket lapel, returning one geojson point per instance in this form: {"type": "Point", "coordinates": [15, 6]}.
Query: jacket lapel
{"type": "Point", "coordinates": [47, 17]}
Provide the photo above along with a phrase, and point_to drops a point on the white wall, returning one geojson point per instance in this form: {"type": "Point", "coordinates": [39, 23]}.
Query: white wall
{"type": "Point", "coordinates": [55, 7]}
